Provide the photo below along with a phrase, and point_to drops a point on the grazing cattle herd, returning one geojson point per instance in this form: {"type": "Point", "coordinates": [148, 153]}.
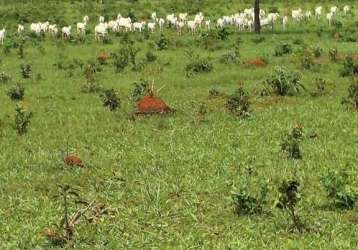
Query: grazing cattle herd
{"type": "Point", "coordinates": [244, 21]}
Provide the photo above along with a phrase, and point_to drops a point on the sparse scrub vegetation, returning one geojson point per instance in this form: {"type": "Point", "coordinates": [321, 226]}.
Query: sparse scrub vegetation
{"type": "Point", "coordinates": [92, 121]}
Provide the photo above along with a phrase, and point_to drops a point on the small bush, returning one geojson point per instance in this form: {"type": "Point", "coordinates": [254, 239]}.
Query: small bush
{"type": "Point", "coordinates": [298, 41]}
{"type": "Point", "coordinates": [231, 57]}
{"type": "Point", "coordinates": [110, 99]}
{"type": "Point", "coordinates": [22, 120]}
{"type": "Point", "coordinates": [307, 61]}
{"type": "Point", "coordinates": [291, 142]}
{"type": "Point", "coordinates": [350, 68]}
{"type": "Point", "coordinates": [16, 92]}
{"type": "Point", "coordinates": [213, 93]}
{"type": "Point", "coordinates": [4, 78]}
{"type": "Point", "coordinates": [317, 51]}
{"type": "Point", "coordinates": [258, 39]}
{"type": "Point", "coordinates": [245, 204]}
{"type": "Point", "coordinates": [25, 70]}
{"type": "Point", "coordinates": [352, 97]}
{"type": "Point", "coordinates": [162, 43]}
{"type": "Point", "coordinates": [223, 34]}
{"type": "Point", "coordinates": [288, 199]}
{"type": "Point", "coordinates": [284, 82]}
{"type": "Point", "coordinates": [321, 87]}
{"type": "Point", "coordinates": [21, 51]}
{"type": "Point", "coordinates": [238, 103]}
{"type": "Point", "coordinates": [92, 87]}
{"type": "Point", "coordinates": [197, 65]}
{"type": "Point", "coordinates": [140, 89]}
{"type": "Point", "coordinates": [333, 54]}
{"type": "Point", "coordinates": [283, 49]}
{"type": "Point", "coordinates": [335, 184]}
{"type": "Point", "coordinates": [265, 58]}
{"type": "Point", "coordinates": [150, 56]}
{"type": "Point", "coordinates": [126, 55]}
{"type": "Point", "coordinates": [90, 73]}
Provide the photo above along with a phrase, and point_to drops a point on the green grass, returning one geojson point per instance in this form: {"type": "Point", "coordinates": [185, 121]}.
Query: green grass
{"type": "Point", "coordinates": [169, 179]}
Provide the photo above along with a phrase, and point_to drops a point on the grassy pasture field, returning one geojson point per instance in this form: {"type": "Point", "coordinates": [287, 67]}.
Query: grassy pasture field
{"type": "Point", "coordinates": [168, 180]}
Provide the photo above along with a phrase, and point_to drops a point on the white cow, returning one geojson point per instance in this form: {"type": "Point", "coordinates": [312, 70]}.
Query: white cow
{"type": "Point", "coordinates": [36, 28]}
{"type": "Point", "coordinates": [192, 26]}
{"type": "Point", "coordinates": [308, 15]}
{"type": "Point", "coordinates": [180, 26]}
{"type": "Point", "coordinates": [86, 19]}
{"type": "Point", "coordinates": [100, 31]}
{"type": "Point", "coordinates": [20, 28]}
{"type": "Point", "coordinates": [284, 22]}
{"type": "Point", "coordinates": [297, 15]}
{"type": "Point", "coordinates": [334, 10]}
{"type": "Point", "coordinates": [161, 23]}
{"type": "Point", "coordinates": [207, 24]}
{"type": "Point", "coordinates": [346, 9]}
{"type": "Point", "coordinates": [2, 35]}
{"type": "Point", "coordinates": [66, 32]}
{"type": "Point", "coordinates": [318, 12]}
{"type": "Point", "coordinates": [220, 23]}
{"type": "Point", "coordinates": [183, 17]}
{"type": "Point", "coordinates": [81, 28]}
{"type": "Point", "coordinates": [171, 19]}
{"type": "Point", "coordinates": [154, 16]}
{"type": "Point", "coordinates": [151, 27]}
{"type": "Point", "coordinates": [138, 26]}
{"type": "Point", "coordinates": [330, 17]}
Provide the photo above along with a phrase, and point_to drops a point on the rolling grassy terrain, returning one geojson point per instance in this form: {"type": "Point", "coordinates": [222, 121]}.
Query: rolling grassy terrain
{"type": "Point", "coordinates": [168, 180]}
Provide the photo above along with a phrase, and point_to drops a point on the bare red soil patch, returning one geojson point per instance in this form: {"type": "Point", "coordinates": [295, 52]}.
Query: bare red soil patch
{"type": "Point", "coordinates": [73, 160]}
{"type": "Point", "coordinates": [257, 62]}
{"type": "Point", "coordinates": [103, 57]}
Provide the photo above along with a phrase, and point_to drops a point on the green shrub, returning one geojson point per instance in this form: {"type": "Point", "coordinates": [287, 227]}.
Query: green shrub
{"type": "Point", "coordinates": [290, 143]}
{"type": "Point", "coordinates": [317, 51]}
{"type": "Point", "coordinates": [245, 204]}
{"type": "Point", "coordinates": [284, 82]}
{"type": "Point", "coordinates": [288, 198]}
{"type": "Point", "coordinates": [283, 49]}
{"type": "Point", "coordinates": [335, 184]}
{"type": "Point", "coordinates": [333, 54]}
{"type": "Point", "coordinates": [22, 120]}
{"type": "Point", "coordinates": [210, 39]}
{"type": "Point", "coordinates": [197, 64]}
{"type": "Point", "coordinates": [352, 97]}
{"type": "Point", "coordinates": [16, 92]}
{"type": "Point", "coordinates": [223, 34]}
{"type": "Point", "coordinates": [298, 41]}
{"type": "Point", "coordinates": [258, 39]}
{"type": "Point", "coordinates": [238, 103]}
{"type": "Point", "coordinates": [321, 87]}
{"type": "Point", "coordinates": [150, 56]}
{"type": "Point", "coordinates": [92, 87]}
{"type": "Point", "coordinates": [110, 99]}
{"type": "Point", "coordinates": [4, 78]}
{"type": "Point", "coordinates": [350, 67]}
{"type": "Point", "coordinates": [213, 93]}
{"type": "Point", "coordinates": [162, 43]}
{"type": "Point", "coordinates": [231, 57]}
{"type": "Point", "coordinates": [140, 89]}
{"type": "Point", "coordinates": [307, 61]}
{"type": "Point", "coordinates": [25, 70]}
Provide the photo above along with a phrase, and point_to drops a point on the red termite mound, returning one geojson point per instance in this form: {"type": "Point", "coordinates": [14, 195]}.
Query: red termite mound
{"type": "Point", "coordinates": [73, 160]}
{"type": "Point", "coordinates": [256, 62]}
{"type": "Point", "coordinates": [150, 104]}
